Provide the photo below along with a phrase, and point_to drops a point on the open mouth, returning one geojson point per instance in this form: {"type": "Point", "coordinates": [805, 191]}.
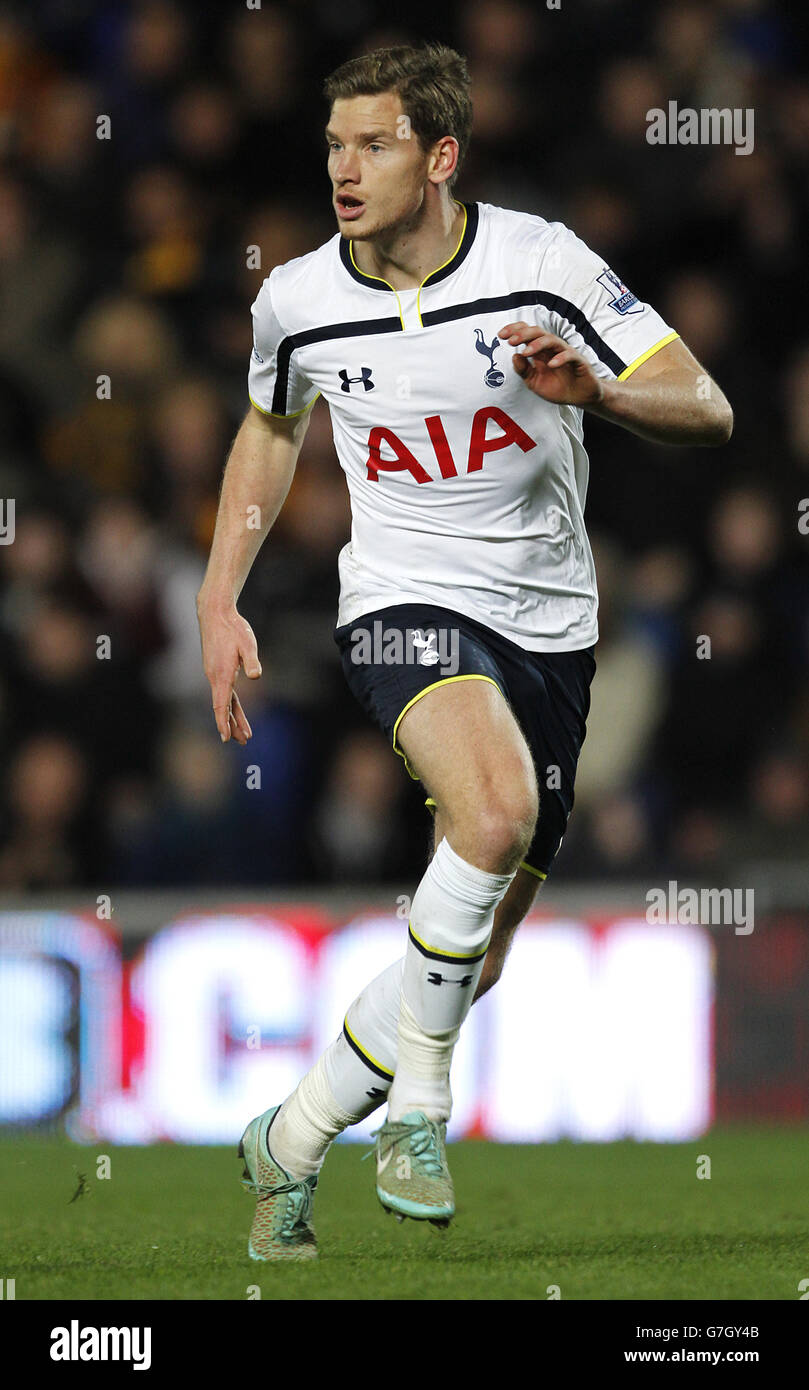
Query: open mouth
{"type": "Point", "coordinates": [348, 206]}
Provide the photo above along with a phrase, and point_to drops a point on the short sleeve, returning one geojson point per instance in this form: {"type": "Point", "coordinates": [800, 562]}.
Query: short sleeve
{"type": "Point", "coordinates": [275, 383]}
{"type": "Point", "coordinates": [592, 309]}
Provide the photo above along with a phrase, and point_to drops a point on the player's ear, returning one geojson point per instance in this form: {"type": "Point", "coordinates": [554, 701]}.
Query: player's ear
{"type": "Point", "coordinates": [443, 159]}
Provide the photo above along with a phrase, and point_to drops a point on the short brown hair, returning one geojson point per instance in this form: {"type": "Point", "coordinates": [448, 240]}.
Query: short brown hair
{"type": "Point", "coordinates": [432, 83]}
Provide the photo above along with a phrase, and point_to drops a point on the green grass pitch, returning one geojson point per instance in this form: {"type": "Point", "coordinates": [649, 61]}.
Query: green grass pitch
{"type": "Point", "coordinates": [606, 1222]}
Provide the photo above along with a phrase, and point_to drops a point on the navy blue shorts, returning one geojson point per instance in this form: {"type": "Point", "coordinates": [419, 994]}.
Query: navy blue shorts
{"type": "Point", "coordinates": [393, 656]}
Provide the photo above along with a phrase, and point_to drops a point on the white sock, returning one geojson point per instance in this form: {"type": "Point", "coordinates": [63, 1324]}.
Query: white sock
{"type": "Point", "coordinates": [450, 926]}
{"type": "Point", "coordinates": [424, 1084]}
{"type": "Point", "coordinates": [307, 1122]}
{"type": "Point", "coordinates": [349, 1081]}
{"type": "Point", "coordinates": [403, 1021]}
{"type": "Point", "coordinates": [370, 1029]}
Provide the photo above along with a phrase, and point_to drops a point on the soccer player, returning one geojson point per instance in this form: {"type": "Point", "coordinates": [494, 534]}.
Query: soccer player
{"type": "Point", "coordinates": [458, 346]}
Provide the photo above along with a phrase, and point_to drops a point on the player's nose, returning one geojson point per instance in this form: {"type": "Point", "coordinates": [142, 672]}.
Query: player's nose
{"type": "Point", "coordinates": [345, 168]}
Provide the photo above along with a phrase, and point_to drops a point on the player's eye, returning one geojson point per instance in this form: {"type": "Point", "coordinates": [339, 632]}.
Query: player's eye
{"type": "Point", "coordinates": [374, 147]}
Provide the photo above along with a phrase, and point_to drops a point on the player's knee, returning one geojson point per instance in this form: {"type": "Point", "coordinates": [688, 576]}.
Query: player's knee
{"type": "Point", "coordinates": [504, 827]}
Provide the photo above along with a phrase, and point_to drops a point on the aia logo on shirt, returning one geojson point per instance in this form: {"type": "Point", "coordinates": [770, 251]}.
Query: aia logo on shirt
{"type": "Point", "coordinates": [404, 460]}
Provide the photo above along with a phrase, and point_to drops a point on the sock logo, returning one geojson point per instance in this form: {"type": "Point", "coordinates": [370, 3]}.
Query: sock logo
{"type": "Point", "coordinates": [434, 977]}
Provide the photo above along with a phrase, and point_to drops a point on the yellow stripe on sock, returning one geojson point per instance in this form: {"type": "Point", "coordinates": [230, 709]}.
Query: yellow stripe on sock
{"type": "Point", "coordinates": [365, 1051]}
{"type": "Point", "coordinates": [451, 955]}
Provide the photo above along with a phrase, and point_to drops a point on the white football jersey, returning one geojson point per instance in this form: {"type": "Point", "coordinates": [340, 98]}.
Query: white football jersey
{"type": "Point", "coordinates": [467, 490]}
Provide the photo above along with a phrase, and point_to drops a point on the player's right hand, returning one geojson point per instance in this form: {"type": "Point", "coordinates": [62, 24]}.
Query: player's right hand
{"type": "Point", "coordinates": [228, 645]}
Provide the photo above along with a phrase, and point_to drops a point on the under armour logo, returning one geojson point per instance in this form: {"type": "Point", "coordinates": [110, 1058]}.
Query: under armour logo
{"type": "Point", "coordinates": [348, 381]}
{"type": "Point", "coordinates": [435, 978]}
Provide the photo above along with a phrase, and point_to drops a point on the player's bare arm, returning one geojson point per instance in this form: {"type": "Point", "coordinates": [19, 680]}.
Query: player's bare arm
{"type": "Point", "coordinates": [669, 400]}
{"type": "Point", "coordinates": [259, 473]}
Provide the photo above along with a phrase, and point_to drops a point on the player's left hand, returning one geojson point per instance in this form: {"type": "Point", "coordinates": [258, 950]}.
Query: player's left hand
{"type": "Point", "coordinates": [550, 368]}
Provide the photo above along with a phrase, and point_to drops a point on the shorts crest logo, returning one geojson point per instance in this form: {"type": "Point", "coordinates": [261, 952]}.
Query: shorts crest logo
{"type": "Point", "coordinates": [429, 655]}
{"type": "Point", "coordinates": [493, 377]}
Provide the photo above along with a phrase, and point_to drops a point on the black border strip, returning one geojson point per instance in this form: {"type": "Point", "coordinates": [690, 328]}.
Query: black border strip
{"type": "Point", "coordinates": [554, 302]}
{"type": "Point", "coordinates": [470, 232]}
{"type": "Point", "coordinates": [366, 327]}
{"type": "Point", "coordinates": [371, 282]}
{"type": "Point", "coordinates": [374, 282]}
{"type": "Point", "coordinates": [460, 961]}
{"type": "Point", "coordinates": [358, 329]}
{"type": "Point", "coordinates": [378, 1071]}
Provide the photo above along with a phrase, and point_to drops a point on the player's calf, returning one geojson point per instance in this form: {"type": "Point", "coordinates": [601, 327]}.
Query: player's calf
{"type": "Point", "coordinates": [511, 912]}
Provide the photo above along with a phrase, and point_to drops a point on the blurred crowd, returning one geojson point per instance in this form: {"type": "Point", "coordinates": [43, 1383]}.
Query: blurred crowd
{"type": "Point", "coordinates": [125, 333]}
